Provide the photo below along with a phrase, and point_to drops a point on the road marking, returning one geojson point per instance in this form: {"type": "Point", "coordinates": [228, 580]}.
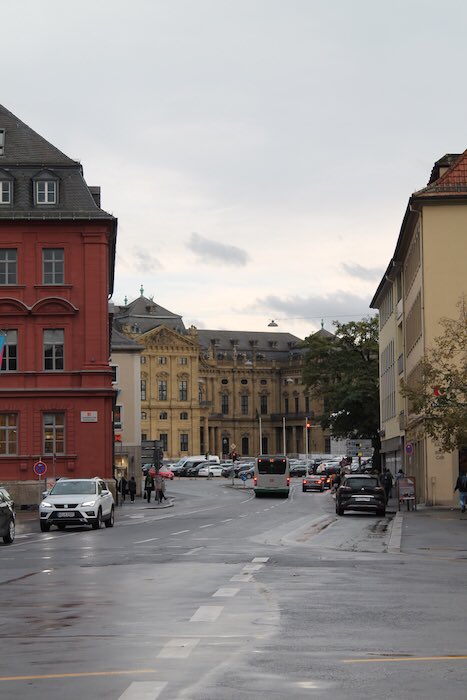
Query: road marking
{"type": "Point", "coordinates": [248, 568]}
{"type": "Point", "coordinates": [143, 690]}
{"type": "Point", "coordinates": [84, 674]}
{"type": "Point", "coordinates": [225, 592]}
{"type": "Point", "coordinates": [180, 532]}
{"type": "Point", "coordinates": [207, 613]}
{"type": "Point", "coordinates": [242, 577]}
{"type": "Point", "coordinates": [193, 551]}
{"type": "Point", "coordinates": [151, 539]}
{"type": "Point", "coordinates": [260, 559]}
{"type": "Point", "coordinates": [245, 515]}
{"type": "Point", "coordinates": [177, 649]}
{"type": "Point", "coordinates": [227, 521]}
{"type": "Point", "coordinates": [210, 525]}
{"type": "Point", "coordinates": [393, 659]}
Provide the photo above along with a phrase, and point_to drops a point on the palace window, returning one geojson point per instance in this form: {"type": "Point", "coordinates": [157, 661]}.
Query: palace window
{"type": "Point", "coordinates": [183, 390]}
{"type": "Point", "coordinates": [10, 352]}
{"type": "Point", "coordinates": [53, 266]}
{"type": "Point", "coordinates": [162, 389]}
{"type": "Point", "coordinates": [8, 266]}
{"type": "Point", "coordinates": [183, 442]}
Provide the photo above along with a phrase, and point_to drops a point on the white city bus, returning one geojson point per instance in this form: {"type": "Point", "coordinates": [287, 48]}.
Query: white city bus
{"type": "Point", "coordinates": [272, 475]}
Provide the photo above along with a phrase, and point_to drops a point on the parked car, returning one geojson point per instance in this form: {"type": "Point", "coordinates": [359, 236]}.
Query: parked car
{"type": "Point", "coordinates": [7, 496]}
{"type": "Point", "coordinates": [212, 470]}
{"type": "Point", "coordinates": [7, 519]}
{"type": "Point", "coordinates": [298, 470]}
{"type": "Point", "coordinates": [163, 471]}
{"type": "Point", "coordinates": [194, 468]}
{"type": "Point", "coordinates": [244, 466]}
{"type": "Point", "coordinates": [314, 482]}
{"type": "Point", "coordinates": [77, 502]}
{"type": "Point", "coordinates": [360, 492]}
{"type": "Point", "coordinates": [329, 470]}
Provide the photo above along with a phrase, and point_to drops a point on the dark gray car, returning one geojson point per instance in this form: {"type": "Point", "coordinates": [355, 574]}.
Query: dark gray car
{"type": "Point", "coordinates": [360, 492]}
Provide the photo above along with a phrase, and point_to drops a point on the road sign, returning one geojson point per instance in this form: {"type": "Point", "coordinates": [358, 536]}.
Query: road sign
{"type": "Point", "coordinates": [409, 448]}
{"type": "Point", "coordinates": [40, 468]}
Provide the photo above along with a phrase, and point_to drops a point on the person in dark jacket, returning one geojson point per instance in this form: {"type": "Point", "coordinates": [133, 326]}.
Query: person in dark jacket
{"type": "Point", "coordinates": [123, 487]}
{"type": "Point", "coordinates": [132, 488]}
{"type": "Point", "coordinates": [461, 486]}
{"type": "Point", "coordinates": [149, 486]}
{"type": "Point", "coordinates": [386, 481]}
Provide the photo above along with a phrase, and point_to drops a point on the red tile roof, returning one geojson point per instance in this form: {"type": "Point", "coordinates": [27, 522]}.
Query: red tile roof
{"type": "Point", "coordinates": [452, 182]}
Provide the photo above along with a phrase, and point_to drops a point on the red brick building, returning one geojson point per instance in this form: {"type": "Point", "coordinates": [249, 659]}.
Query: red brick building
{"type": "Point", "coordinates": [57, 253]}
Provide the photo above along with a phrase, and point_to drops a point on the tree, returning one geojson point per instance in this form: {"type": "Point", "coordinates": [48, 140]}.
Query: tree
{"type": "Point", "coordinates": [439, 393]}
{"type": "Point", "coordinates": [342, 370]}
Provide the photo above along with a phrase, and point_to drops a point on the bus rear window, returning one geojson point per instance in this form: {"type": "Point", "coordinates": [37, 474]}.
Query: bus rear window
{"type": "Point", "coordinates": [275, 466]}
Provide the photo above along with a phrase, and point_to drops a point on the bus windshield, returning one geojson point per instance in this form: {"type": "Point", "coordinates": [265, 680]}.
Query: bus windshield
{"type": "Point", "coordinates": [276, 465]}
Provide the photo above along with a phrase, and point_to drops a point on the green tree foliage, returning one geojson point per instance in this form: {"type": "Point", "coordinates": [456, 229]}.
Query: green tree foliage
{"type": "Point", "coordinates": [342, 370]}
{"type": "Point", "coordinates": [440, 395]}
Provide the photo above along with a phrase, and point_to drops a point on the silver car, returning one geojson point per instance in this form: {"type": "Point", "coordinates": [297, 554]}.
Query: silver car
{"type": "Point", "coordinates": [77, 502]}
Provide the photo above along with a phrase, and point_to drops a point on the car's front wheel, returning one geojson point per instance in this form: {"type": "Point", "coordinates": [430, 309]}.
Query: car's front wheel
{"type": "Point", "coordinates": [45, 527]}
{"type": "Point", "coordinates": [10, 535]}
{"type": "Point", "coordinates": [97, 522]}
{"type": "Point", "coordinates": [110, 520]}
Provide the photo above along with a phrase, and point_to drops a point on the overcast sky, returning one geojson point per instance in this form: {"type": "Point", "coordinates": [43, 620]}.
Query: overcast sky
{"type": "Point", "coordinates": [259, 154]}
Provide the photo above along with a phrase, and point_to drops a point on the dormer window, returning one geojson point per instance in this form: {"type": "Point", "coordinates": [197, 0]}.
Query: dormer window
{"type": "Point", "coordinates": [46, 192]}
{"type": "Point", "coordinates": [45, 188]}
{"type": "Point", "coordinates": [5, 191]}
{"type": "Point", "coordinates": [2, 142]}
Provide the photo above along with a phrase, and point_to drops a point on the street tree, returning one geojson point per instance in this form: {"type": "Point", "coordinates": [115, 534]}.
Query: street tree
{"type": "Point", "coordinates": [439, 392]}
{"type": "Point", "coordinates": [342, 370]}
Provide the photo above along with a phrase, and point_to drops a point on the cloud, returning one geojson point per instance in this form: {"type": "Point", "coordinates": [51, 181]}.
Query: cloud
{"type": "Point", "coordinates": [145, 261]}
{"type": "Point", "coordinates": [370, 274]}
{"type": "Point", "coordinates": [340, 306]}
{"type": "Point", "coordinates": [209, 251]}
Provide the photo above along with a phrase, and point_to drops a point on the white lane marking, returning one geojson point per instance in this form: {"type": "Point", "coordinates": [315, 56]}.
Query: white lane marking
{"type": "Point", "coordinates": [227, 521]}
{"type": "Point", "coordinates": [151, 539]}
{"type": "Point", "coordinates": [242, 577]}
{"type": "Point", "coordinates": [207, 613]}
{"type": "Point", "coordinates": [248, 499]}
{"type": "Point", "coordinates": [143, 690]}
{"type": "Point", "coordinates": [258, 560]}
{"type": "Point", "coordinates": [248, 568]}
{"type": "Point", "coordinates": [225, 592]}
{"type": "Point", "coordinates": [177, 649]}
{"type": "Point", "coordinates": [193, 551]}
{"type": "Point", "coordinates": [245, 515]}
{"type": "Point", "coordinates": [210, 525]}
{"type": "Point", "coordinates": [180, 532]}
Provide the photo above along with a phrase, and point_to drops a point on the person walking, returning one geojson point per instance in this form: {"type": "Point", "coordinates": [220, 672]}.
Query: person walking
{"type": "Point", "coordinates": [386, 480]}
{"type": "Point", "coordinates": [122, 487]}
{"type": "Point", "coordinates": [461, 486]}
{"type": "Point", "coordinates": [159, 483]}
{"type": "Point", "coordinates": [132, 488]}
{"type": "Point", "coordinates": [149, 486]}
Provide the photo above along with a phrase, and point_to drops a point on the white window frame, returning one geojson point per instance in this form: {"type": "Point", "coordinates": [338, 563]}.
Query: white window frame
{"type": "Point", "coordinates": [49, 194]}
{"type": "Point", "coordinates": [6, 189]}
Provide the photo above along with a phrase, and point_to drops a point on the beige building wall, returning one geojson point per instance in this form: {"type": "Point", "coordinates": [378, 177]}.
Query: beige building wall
{"type": "Point", "coordinates": [128, 452]}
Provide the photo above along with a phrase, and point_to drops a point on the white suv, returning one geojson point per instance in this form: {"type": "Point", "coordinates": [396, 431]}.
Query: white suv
{"type": "Point", "coordinates": [77, 502]}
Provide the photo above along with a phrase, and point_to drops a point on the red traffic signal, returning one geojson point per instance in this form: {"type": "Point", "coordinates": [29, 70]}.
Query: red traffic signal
{"type": "Point", "coordinates": [117, 437]}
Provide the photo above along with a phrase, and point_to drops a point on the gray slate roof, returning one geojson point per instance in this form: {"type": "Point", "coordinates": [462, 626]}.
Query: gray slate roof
{"type": "Point", "coordinates": [26, 155]}
{"type": "Point", "coordinates": [272, 345]}
{"type": "Point", "coordinates": [144, 314]}
{"type": "Point", "coordinates": [122, 342]}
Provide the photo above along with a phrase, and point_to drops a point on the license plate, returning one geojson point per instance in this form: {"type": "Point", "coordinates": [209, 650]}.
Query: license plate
{"type": "Point", "coordinates": [364, 498]}
{"type": "Point", "coordinates": [66, 515]}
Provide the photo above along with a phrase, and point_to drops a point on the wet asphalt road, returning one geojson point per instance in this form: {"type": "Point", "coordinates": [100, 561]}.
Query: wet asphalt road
{"type": "Point", "coordinates": [228, 597]}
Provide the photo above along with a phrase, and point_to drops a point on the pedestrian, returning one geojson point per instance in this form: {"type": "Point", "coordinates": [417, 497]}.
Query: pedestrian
{"type": "Point", "coordinates": [159, 482]}
{"type": "Point", "coordinates": [122, 487]}
{"type": "Point", "coordinates": [386, 480]}
{"type": "Point", "coordinates": [132, 488]}
{"type": "Point", "coordinates": [400, 475]}
{"type": "Point", "coordinates": [461, 486]}
{"type": "Point", "coordinates": [149, 486]}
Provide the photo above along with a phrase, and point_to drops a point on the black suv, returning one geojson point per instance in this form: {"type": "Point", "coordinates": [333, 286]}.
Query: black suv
{"type": "Point", "coordinates": [7, 519]}
{"type": "Point", "coordinates": [361, 492]}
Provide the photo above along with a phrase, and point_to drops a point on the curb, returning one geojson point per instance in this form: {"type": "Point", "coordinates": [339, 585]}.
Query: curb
{"type": "Point", "coordinates": [395, 538]}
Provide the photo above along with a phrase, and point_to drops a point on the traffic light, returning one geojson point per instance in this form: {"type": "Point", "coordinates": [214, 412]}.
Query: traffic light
{"type": "Point", "coordinates": [308, 423]}
{"type": "Point", "coordinates": [117, 437]}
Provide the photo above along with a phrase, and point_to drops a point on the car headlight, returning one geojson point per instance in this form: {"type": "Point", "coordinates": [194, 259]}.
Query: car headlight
{"type": "Point", "coordinates": [46, 504]}
{"type": "Point", "coordinates": [88, 504]}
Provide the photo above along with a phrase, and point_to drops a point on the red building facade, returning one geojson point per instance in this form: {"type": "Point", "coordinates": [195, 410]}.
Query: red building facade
{"type": "Point", "coordinates": [57, 252]}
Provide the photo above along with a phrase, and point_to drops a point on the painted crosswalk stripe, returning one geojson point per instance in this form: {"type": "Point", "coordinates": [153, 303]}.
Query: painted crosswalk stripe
{"type": "Point", "coordinates": [210, 525]}
{"type": "Point", "coordinates": [207, 613]}
{"type": "Point", "coordinates": [143, 690]}
{"type": "Point", "coordinates": [180, 532]}
{"type": "Point", "coordinates": [151, 539]}
{"type": "Point", "coordinates": [193, 551]}
{"type": "Point", "coordinates": [258, 560]}
{"type": "Point", "coordinates": [227, 521]}
{"type": "Point", "coordinates": [225, 592]}
{"type": "Point", "coordinates": [177, 649]}
{"type": "Point", "coordinates": [248, 568]}
{"type": "Point", "coordinates": [242, 577]}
